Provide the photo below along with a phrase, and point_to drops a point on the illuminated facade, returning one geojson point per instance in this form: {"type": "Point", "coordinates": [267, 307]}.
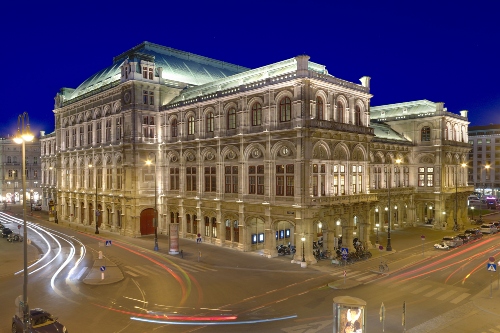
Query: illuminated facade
{"type": "Point", "coordinates": [10, 169]}
{"type": "Point", "coordinates": [247, 158]}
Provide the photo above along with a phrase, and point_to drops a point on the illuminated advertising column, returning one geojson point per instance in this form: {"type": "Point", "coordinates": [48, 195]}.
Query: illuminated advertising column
{"type": "Point", "coordinates": [173, 238]}
{"type": "Point", "coordinates": [349, 315]}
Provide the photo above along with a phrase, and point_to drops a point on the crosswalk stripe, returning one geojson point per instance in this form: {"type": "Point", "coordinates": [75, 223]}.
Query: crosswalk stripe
{"type": "Point", "coordinates": [366, 277]}
{"type": "Point", "coordinates": [136, 270]}
{"type": "Point", "coordinates": [459, 298]}
{"type": "Point", "coordinates": [409, 286]}
{"type": "Point", "coordinates": [133, 274]}
{"type": "Point", "coordinates": [201, 268]}
{"type": "Point", "coordinates": [354, 274]}
{"type": "Point", "coordinates": [446, 295]}
{"type": "Point", "coordinates": [149, 270]}
{"type": "Point", "coordinates": [419, 290]}
{"type": "Point", "coordinates": [157, 269]}
{"type": "Point", "coordinates": [434, 292]}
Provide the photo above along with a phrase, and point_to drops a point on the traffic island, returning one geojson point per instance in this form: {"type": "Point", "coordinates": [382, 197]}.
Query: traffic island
{"type": "Point", "coordinates": [103, 272]}
{"type": "Point", "coordinates": [343, 284]}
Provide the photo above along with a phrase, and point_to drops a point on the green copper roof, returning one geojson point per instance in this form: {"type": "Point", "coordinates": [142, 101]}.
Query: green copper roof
{"type": "Point", "coordinates": [421, 107]}
{"type": "Point", "coordinates": [178, 67]}
{"type": "Point", "coordinates": [385, 132]}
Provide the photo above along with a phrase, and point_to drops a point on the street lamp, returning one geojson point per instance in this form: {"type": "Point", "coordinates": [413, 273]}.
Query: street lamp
{"type": "Point", "coordinates": [24, 135]}
{"type": "Point", "coordinates": [95, 208]}
{"type": "Point", "coordinates": [472, 208]}
{"type": "Point", "coordinates": [376, 223]}
{"type": "Point", "coordinates": [303, 239]}
{"type": "Point", "coordinates": [389, 173]}
{"type": "Point", "coordinates": [155, 219]}
{"type": "Point", "coordinates": [463, 165]}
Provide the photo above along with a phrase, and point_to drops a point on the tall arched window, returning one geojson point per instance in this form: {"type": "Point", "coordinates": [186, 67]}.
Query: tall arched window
{"type": "Point", "coordinates": [231, 119]}
{"type": "Point", "coordinates": [425, 134]}
{"type": "Point", "coordinates": [357, 115]}
{"type": "Point", "coordinates": [285, 109]}
{"type": "Point", "coordinates": [256, 114]}
{"type": "Point", "coordinates": [319, 108]}
{"type": "Point", "coordinates": [340, 112]}
{"type": "Point", "coordinates": [191, 125]}
{"type": "Point", "coordinates": [173, 128]}
{"type": "Point", "coordinates": [210, 122]}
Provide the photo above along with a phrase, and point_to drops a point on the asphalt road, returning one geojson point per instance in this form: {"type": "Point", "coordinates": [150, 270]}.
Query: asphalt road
{"type": "Point", "coordinates": [232, 291]}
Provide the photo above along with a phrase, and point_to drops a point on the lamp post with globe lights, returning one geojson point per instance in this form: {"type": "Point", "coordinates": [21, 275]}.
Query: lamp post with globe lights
{"type": "Point", "coordinates": [24, 135]}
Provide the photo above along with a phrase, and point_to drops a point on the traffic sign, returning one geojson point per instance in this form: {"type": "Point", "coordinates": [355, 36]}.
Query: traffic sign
{"type": "Point", "coordinates": [103, 268]}
{"type": "Point", "coordinates": [108, 243]}
{"type": "Point", "coordinates": [344, 251]}
{"type": "Point", "coordinates": [491, 267]}
{"type": "Point", "coordinates": [422, 237]}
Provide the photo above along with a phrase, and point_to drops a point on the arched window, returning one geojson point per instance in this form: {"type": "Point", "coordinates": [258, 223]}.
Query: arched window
{"type": "Point", "coordinates": [173, 129]}
{"type": "Point", "coordinates": [285, 109]}
{"type": "Point", "coordinates": [210, 122]}
{"type": "Point", "coordinates": [357, 115]}
{"type": "Point", "coordinates": [425, 134]}
{"type": "Point", "coordinates": [231, 119]}
{"type": "Point", "coordinates": [340, 112]}
{"type": "Point", "coordinates": [190, 125]}
{"type": "Point", "coordinates": [446, 134]}
{"type": "Point", "coordinates": [319, 108]}
{"type": "Point", "coordinates": [256, 114]}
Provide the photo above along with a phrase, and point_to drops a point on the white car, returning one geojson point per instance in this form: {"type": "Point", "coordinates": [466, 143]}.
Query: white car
{"type": "Point", "coordinates": [488, 228]}
{"type": "Point", "coordinates": [441, 246]}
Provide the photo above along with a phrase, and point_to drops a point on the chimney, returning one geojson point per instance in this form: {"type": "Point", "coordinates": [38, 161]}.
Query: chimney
{"type": "Point", "coordinates": [439, 106]}
{"type": "Point", "coordinates": [302, 64]}
{"type": "Point", "coordinates": [464, 113]}
{"type": "Point", "coordinates": [365, 81]}
{"type": "Point", "coordinates": [42, 133]}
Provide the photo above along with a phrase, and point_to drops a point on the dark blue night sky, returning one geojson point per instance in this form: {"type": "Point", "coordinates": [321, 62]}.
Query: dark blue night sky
{"type": "Point", "coordinates": [412, 50]}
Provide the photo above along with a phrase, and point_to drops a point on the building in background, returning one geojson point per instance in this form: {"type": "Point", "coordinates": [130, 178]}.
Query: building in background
{"type": "Point", "coordinates": [484, 159]}
{"type": "Point", "coordinates": [247, 158]}
{"type": "Point", "coordinates": [11, 168]}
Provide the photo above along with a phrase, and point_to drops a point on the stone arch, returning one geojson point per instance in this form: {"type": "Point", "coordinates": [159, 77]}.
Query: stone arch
{"type": "Point", "coordinates": [340, 152]}
{"type": "Point", "coordinates": [230, 152]}
{"type": "Point", "coordinates": [249, 154]}
{"type": "Point", "coordinates": [276, 149]}
{"type": "Point", "coordinates": [321, 150]}
{"type": "Point", "coordinates": [189, 156]}
{"type": "Point", "coordinates": [209, 154]}
{"type": "Point", "coordinates": [358, 153]}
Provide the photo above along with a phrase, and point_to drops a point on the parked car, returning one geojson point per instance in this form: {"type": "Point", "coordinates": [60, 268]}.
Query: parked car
{"type": "Point", "coordinates": [465, 238]}
{"type": "Point", "coordinates": [473, 234]}
{"type": "Point", "coordinates": [6, 232]}
{"type": "Point", "coordinates": [488, 228]}
{"type": "Point", "coordinates": [41, 322]}
{"type": "Point", "coordinates": [37, 207]}
{"type": "Point", "coordinates": [441, 246]}
{"type": "Point", "coordinates": [452, 241]}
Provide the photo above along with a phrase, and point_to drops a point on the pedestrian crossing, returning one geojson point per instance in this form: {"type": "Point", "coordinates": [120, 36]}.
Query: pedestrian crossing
{"type": "Point", "coordinates": [151, 270]}
{"type": "Point", "coordinates": [454, 296]}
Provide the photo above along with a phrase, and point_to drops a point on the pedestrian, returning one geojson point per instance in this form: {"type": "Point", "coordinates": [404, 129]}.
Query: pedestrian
{"type": "Point", "coordinates": [182, 255]}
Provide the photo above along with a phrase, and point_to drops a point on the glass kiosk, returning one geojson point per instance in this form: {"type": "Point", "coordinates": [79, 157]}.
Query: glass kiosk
{"type": "Point", "coordinates": [348, 315]}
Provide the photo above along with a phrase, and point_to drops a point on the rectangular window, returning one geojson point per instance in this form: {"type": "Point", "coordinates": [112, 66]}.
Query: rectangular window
{"type": "Point", "coordinates": [256, 179]}
{"type": "Point", "coordinates": [285, 180]}
{"type": "Point", "coordinates": [99, 178]}
{"type": "Point", "coordinates": [231, 179]}
{"type": "Point", "coordinates": [144, 72]}
{"type": "Point", "coordinates": [67, 139]}
{"type": "Point", "coordinates": [190, 178]}
{"type": "Point", "coordinates": [99, 132]}
{"type": "Point", "coordinates": [108, 130]}
{"type": "Point", "coordinates": [430, 180]}
{"type": "Point", "coordinates": [318, 179]}
{"type": "Point", "coordinates": [118, 135]}
{"type": "Point", "coordinates": [109, 179]}
{"type": "Point", "coordinates": [89, 134]}
{"type": "Point", "coordinates": [119, 178]}
{"type": "Point", "coordinates": [151, 98]}
{"type": "Point", "coordinates": [148, 127]}
{"type": "Point", "coordinates": [150, 71]}
{"type": "Point", "coordinates": [145, 96]}
{"type": "Point", "coordinates": [210, 177]}
{"type": "Point", "coordinates": [82, 136]}
{"type": "Point", "coordinates": [174, 178]}
{"type": "Point", "coordinates": [74, 136]}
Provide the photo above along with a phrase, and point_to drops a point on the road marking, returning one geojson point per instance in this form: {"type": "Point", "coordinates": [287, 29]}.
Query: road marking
{"type": "Point", "coordinates": [133, 274]}
{"type": "Point", "coordinates": [354, 274]}
{"type": "Point", "coordinates": [446, 295]}
{"type": "Point", "coordinates": [80, 273]}
{"type": "Point", "coordinates": [419, 290]}
{"type": "Point", "coordinates": [149, 270]}
{"type": "Point", "coordinates": [434, 292]}
{"type": "Point", "coordinates": [201, 268]}
{"type": "Point", "coordinates": [459, 298]}
{"type": "Point", "coordinates": [367, 277]}
{"type": "Point", "coordinates": [136, 270]}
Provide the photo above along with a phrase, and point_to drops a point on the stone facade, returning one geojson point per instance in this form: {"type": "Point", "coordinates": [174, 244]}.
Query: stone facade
{"type": "Point", "coordinates": [249, 160]}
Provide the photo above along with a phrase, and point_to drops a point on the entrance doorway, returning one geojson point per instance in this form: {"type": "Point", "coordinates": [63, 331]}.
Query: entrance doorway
{"type": "Point", "coordinates": [147, 221]}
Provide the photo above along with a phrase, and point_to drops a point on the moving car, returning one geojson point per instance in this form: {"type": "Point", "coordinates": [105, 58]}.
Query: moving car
{"type": "Point", "coordinates": [473, 234]}
{"type": "Point", "coordinates": [6, 232]}
{"type": "Point", "coordinates": [452, 241]}
{"type": "Point", "coordinates": [488, 228]}
{"type": "Point", "coordinates": [41, 322]}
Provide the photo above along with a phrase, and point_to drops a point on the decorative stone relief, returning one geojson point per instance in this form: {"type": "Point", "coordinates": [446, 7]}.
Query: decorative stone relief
{"type": "Point", "coordinates": [256, 153]}
{"type": "Point", "coordinates": [285, 151]}
{"type": "Point", "coordinates": [190, 157]}
{"type": "Point", "coordinates": [209, 156]}
{"type": "Point", "coordinates": [173, 158]}
{"type": "Point", "coordinates": [231, 155]}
